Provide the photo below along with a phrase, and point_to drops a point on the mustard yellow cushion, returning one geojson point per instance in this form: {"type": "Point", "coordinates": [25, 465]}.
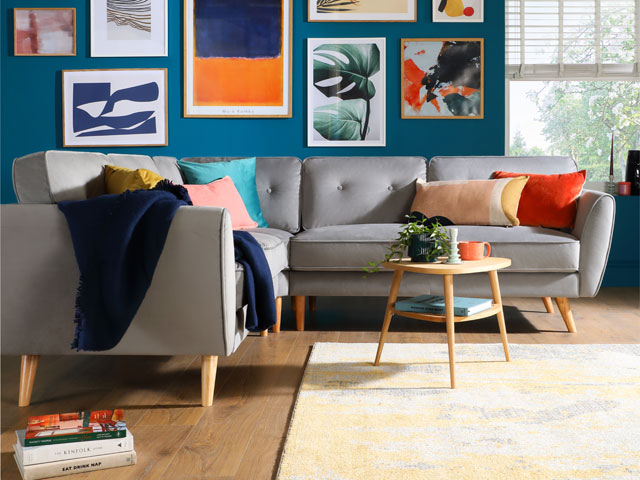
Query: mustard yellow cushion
{"type": "Point", "coordinates": [120, 179]}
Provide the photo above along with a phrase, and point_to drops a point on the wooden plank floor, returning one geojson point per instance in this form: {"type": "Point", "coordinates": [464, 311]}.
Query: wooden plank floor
{"type": "Point", "coordinates": [242, 435]}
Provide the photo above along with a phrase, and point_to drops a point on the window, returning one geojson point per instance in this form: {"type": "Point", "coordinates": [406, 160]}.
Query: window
{"type": "Point", "coordinates": [574, 79]}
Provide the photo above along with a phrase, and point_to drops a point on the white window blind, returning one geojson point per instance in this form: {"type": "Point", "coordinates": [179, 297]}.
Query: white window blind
{"type": "Point", "coordinates": [572, 39]}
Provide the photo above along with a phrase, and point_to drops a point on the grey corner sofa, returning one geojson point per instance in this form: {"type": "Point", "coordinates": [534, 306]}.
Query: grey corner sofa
{"type": "Point", "coordinates": [328, 217]}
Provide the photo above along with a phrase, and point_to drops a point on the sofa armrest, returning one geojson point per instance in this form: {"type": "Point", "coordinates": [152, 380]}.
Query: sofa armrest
{"type": "Point", "coordinates": [594, 228]}
{"type": "Point", "coordinates": [188, 309]}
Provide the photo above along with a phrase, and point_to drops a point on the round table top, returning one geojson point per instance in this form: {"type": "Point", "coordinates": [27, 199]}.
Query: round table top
{"type": "Point", "coordinates": [471, 266]}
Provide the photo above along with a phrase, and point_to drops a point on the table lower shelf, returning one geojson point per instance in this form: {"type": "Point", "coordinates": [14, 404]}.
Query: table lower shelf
{"type": "Point", "coordinates": [431, 317]}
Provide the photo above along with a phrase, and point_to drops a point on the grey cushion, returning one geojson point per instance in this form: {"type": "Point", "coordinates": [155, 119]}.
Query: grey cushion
{"type": "Point", "coordinates": [350, 247]}
{"type": "Point", "coordinates": [352, 190]}
{"type": "Point", "coordinates": [275, 247]}
{"type": "Point", "coordinates": [278, 184]}
{"type": "Point", "coordinates": [469, 168]}
{"type": "Point", "coordinates": [168, 168]}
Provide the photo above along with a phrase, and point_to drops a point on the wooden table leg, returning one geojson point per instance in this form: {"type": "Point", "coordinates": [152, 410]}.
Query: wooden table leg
{"type": "Point", "coordinates": [497, 299]}
{"type": "Point", "coordinates": [391, 302]}
{"type": "Point", "coordinates": [449, 316]}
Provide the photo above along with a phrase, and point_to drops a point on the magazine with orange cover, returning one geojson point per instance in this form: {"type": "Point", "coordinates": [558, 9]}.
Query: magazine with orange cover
{"type": "Point", "coordinates": [75, 427]}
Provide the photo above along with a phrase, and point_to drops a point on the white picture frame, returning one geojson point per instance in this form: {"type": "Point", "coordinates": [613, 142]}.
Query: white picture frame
{"type": "Point", "coordinates": [114, 108]}
{"type": "Point", "coordinates": [464, 11]}
{"type": "Point", "coordinates": [325, 92]}
{"type": "Point", "coordinates": [321, 11]}
{"type": "Point", "coordinates": [225, 96]}
{"type": "Point", "coordinates": [116, 33]}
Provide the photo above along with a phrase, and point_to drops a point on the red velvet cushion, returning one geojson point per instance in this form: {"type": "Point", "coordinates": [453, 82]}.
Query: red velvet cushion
{"type": "Point", "coordinates": [548, 200]}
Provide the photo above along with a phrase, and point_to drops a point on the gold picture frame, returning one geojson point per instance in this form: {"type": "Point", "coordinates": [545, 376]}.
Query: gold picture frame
{"type": "Point", "coordinates": [25, 35]}
{"type": "Point", "coordinates": [136, 132]}
{"type": "Point", "coordinates": [465, 101]}
{"type": "Point", "coordinates": [217, 109]}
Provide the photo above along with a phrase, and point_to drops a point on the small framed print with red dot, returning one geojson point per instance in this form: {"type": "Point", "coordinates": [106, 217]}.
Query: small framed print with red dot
{"type": "Point", "coordinates": [458, 10]}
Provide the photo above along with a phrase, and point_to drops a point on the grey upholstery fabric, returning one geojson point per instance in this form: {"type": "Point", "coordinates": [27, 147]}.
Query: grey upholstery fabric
{"type": "Point", "coordinates": [351, 247]}
{"type": "Point", "coordinates": [168, 168]}
{"type": "Point", "coordinates": [594, 228]}
{"type": "Point", "coordinates": [188, 309]}
{"type": "Point", "coordinates": [278, 184]}
{"type": "Point", "coordinates": [355, 190]}
{"type": "Point", "coordinates": [275, 248]}
{"type": "Point", "coordinates": [280, 286]}
{"type": "Point", "coordinates": [54, 176]}
{"type": "Point", "coordinates": [469, 168]}
{"type": "Point", "coordinates": [133, 162]}
{"type": "Point", "coordinates": [378, 284]}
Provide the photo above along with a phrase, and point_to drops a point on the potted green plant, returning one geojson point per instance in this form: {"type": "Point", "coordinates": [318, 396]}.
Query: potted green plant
{"type": "Point", "coordinates": [425, 243]}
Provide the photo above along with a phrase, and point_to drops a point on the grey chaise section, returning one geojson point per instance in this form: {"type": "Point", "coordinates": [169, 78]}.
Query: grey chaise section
{"type": "Point", "coordinates": [195, 303]}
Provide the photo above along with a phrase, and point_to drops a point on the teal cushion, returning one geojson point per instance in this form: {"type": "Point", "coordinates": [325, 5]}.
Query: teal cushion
{"type": "Point", "coordinates": [243, 174]}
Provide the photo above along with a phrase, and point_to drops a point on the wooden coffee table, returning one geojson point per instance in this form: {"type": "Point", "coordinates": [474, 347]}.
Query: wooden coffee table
{"type": "Point", "coordinates": [490, 265]}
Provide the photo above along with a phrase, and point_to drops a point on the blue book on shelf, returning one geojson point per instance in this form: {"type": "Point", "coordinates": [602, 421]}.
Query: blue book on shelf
{"type": "Point", "coordinates": [462, 306]}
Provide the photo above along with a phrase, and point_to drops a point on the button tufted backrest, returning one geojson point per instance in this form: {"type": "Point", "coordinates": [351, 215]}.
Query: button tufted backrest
{"type": "Point", "coordinates": [356, 190]}
{"type": "Point", "coordinates": [278, 184]}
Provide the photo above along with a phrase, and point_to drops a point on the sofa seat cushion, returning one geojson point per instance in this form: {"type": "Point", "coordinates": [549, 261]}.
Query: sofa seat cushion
{"type": "Point", "coordinates": [275, 244]}
{"type": "Point", "coordinates": [351, 247]}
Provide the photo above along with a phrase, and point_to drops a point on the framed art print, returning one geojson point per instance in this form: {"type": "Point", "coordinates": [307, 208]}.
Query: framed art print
{"type": "Point", "coordinates": [129, 28]}
{"type": "Point", "coordinates": [362, 10]}
{"type": "Point", "coordinates": [44, 31]}
{"type": "Point", "coordinates": [346, 92]}
{"type": "Point", "coordinates": [442, 78]}
{"type": "Point", "coordinates": [458, 10]}
{"type": "Point", "coordinates": [106, 108]}
{"type": "Point", "coordinates": [237, 58]}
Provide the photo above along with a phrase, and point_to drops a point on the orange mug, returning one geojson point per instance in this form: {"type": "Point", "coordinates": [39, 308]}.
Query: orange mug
{"type": "Point", "coordinates": [473, 250]}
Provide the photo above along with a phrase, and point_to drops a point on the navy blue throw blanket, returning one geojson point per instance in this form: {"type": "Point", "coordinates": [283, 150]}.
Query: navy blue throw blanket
{"type": "Point", "coordinates": [258, 286]}
{"type": "Point", "coordinates": [117, 240]}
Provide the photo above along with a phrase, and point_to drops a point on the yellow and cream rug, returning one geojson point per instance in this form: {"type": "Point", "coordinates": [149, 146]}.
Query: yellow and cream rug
{"type": "Point", "coordinates": [553, 412]}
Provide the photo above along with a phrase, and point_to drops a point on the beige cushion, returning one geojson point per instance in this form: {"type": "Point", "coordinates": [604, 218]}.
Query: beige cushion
{"type": "Point", "coordinates": [471, 202]}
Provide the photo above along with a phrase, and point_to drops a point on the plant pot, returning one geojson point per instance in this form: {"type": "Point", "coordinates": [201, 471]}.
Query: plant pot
{"type": "Point", "coordinates": [423, 248]}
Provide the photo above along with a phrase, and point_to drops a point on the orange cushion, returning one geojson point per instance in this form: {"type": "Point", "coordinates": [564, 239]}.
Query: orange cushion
{"type": "Point", "coordinates": [548, 200]}
{"type": "Point", "coordinates": [222, 193]}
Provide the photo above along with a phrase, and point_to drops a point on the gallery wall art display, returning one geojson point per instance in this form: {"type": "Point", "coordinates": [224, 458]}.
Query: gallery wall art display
{"type": "Point", "coordinates": [129, 28]}
{"type": "Point", "coordinates": [458, 10]}
{"type": "Point", "coordinates": [114, 107]}
{"type": "Point", "coordinates": [237, 58]}
{"type": "Point", "coordinates": [346, 92]}
{"type": "Point", "coordinates": [442, 78]}
{"type": "Point", "coordinates": [44, 31]}
{"type": "Point", "coordinates": [362, 10]}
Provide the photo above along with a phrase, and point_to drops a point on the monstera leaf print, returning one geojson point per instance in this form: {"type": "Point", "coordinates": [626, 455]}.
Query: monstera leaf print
{"type": "Point", "coordinates": [344, 71]}
{"type": "Point", "coordinates": [341, 121]}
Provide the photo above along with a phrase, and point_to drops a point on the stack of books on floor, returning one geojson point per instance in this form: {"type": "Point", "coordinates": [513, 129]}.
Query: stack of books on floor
{"type": "Point", "coordinates": [462, 306]}
{"type": "Point", "coordinates": [68, 443]}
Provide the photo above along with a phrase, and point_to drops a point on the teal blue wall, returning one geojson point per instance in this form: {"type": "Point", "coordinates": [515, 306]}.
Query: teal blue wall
{"type": "Point", "coordinates": [31, 94]}
{"type": "Point", "coordinates": [623, 268]}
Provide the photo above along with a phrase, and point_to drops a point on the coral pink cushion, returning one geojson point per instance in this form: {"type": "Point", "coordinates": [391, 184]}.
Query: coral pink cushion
{"type": "Point", "coordinates": [222, 193]}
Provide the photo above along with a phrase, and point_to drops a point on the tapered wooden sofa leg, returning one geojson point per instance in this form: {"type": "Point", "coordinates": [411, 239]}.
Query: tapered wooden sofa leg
{"type": "Point", "coordinates": [208, 375]}
{"type": "Point", "coordinates": [28, 367]}
{"type": "Point", "coordinates": [276, 327]}
{"type": "Point", "coordinates": [299, 302]}
{"type": "Point", "coordinates": [264, 333]}
{"type": "Point", "coordinates": [548, 305]}
{"type": "Point", "coordinates": [565, 311]}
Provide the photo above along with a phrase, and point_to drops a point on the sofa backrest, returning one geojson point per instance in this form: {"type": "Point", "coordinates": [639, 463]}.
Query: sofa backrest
{"type": "Point", "coordinates": [278, 183]}
{"type": "Point", "coordinates": [477, 168]}
{"type": "Point", "coordinates": [356, 190]}
{"type": "Point", "coordinates": [54, 175]}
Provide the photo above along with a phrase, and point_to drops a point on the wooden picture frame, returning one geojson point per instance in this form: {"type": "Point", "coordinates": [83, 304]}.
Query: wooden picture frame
{"type": "Point", "coordinates": [216, 83]}
{"type": "Point", "coordinates": [117, 31]}
{"type": "Point", "coordinates": [433, 100]}
{"type": "Point", "coordinates": [457, 11]}
{"type": "Point", "coordinates": [320, 11]}
{"type": "Point", "coordinates": [58, 23]}
{"type": "Point", "coordinates": [93, 117]}
{"type": "Point", "coordinates": [346, 107]}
